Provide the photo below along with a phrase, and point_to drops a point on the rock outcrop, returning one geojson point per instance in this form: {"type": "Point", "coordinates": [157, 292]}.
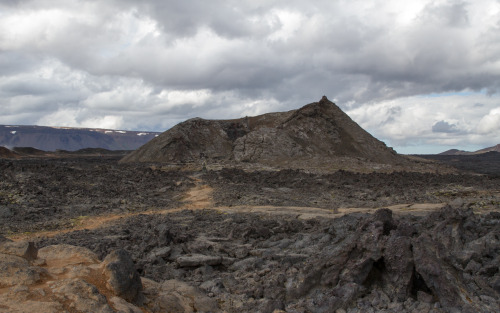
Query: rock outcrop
{"type": "Point", "coordinates": [121, 276]}
{"type": "Point", "coordinates": [66, 278]}
{"type": "Point", "coordinates": [318, 130]}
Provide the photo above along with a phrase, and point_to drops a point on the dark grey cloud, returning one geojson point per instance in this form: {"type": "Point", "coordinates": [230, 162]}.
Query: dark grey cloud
{"type": "Point", "coordinates": [33, 87]}
{"type": "Point", "coordinates": [12, 63]}
{"type": "Point", "coordinates": [448, 14]}
{"type": "Point", "coordinates": [444, 127]}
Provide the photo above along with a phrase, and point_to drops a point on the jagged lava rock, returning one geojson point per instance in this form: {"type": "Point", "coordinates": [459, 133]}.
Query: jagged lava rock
{"type": "Point", "coordinates": [122, 277]}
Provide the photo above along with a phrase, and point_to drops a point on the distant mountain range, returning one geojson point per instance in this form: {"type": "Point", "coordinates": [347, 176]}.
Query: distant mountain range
{"type": "Point", "coordinates": [462, 152]}
{"type": "Point", "coordinates": [71, 139]}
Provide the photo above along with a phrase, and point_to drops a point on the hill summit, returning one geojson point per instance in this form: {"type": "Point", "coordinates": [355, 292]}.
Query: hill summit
{"type": "Point", "coordinates": [318, 131]}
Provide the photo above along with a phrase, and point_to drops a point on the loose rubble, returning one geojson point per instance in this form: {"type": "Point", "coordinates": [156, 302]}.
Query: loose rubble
{"type": "Point", "coordinates": [447, 261]}
{"type": "Point", "coordinates": [49, 194]}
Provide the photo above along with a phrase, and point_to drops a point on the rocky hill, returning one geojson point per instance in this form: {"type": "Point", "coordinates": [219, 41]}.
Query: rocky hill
{"type": "Point", "coordinates": [6, 153]}
{"type": "Point", "coordinates": [319, 131]}
{"type": "Point", "coordinates": [456, 152]}
{"type": "Point", "coordinates": [462, 152]}
{"type": "Point", "coordinates": [71, 139]}
{"type": "Point", "coordinates": [490, 149]}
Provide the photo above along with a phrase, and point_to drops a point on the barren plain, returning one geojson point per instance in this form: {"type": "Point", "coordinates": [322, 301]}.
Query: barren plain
{"type": "Point", "coordinates": [270, 240]}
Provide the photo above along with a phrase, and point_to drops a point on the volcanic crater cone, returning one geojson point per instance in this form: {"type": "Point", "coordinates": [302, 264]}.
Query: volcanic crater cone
{"type": "Point", "coordinates": [317, 131]}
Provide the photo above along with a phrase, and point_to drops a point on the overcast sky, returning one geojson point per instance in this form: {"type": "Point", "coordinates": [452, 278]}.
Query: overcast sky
{"type": "Point", "coordinates": [423, 76]}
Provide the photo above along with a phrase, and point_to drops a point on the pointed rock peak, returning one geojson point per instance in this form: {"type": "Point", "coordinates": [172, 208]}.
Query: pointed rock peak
{"type": "Point", "coordinates": [323, 100]}
{"type": "Point", "coordinates": [321, 109]}
{"type": "Point", "coordinates": [317, 131]}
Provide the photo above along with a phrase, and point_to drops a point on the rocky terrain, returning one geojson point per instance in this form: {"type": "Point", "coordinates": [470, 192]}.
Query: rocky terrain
{"type": "Point", "coordinates": [53, 193]}
{"type": "Point", "coordinates": [301, 211]}
{"type": "Point", "coordinates": [316, 135]}
{"type": "Point", "coordinates": [482, 163]}
{"type": "Point", "coordinates": [444, 262]}
{"type": "Point", "coordinates": [246, 240]}
{"type": "Point", "coordinates": [65, 278]}
{"type": "Point", "coordinates": [71, 139]}
{"type": "Point", "coordinates": [344, 189]}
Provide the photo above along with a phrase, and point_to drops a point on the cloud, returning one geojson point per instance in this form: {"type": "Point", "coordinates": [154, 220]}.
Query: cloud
{"type": "Point", "coordinates": [444, 127]}
{"type": "Point", "coordinates": [443, 121]}
{"type": "Point", "coordinates": [154, 63]}
{"type": "Point", "coordinates": [490, 123]}
{"type": "Point", "coordinates": [78, 118]}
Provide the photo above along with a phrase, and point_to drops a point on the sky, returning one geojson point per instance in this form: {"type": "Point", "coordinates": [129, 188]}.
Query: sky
{"type": "Point", "coordinates": [423, 76]}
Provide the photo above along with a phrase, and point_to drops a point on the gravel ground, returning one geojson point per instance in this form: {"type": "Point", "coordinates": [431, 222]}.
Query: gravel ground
{"type": "Point", "coordinates": [348, 190]}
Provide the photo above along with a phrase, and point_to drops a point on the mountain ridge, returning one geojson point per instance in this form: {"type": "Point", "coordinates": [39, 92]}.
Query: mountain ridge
{"type": "Point", "coordinates": [495, 148]}
{"type": "Point", "coordinates": [49, 138]}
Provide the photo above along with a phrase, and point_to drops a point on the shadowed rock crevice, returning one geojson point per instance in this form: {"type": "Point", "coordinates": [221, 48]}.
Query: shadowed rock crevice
{"type": "Point", "coordinates": [235, 130]}
{"type": "Point", "coordinates": [418, 286]}
{"type": "Point", "coordinates": [376, 274]}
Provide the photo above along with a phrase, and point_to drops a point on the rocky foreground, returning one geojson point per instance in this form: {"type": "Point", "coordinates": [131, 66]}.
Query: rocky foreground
{"type": "Point", "coordinates": [240, 241]}
{"type": "Point", "coordinates": [204, 261]}
{"type": "Point", "coordinates": [64, 278]}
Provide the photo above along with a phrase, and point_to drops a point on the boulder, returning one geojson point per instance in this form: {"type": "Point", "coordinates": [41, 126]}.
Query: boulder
{"type": "Point", "coordinates": [71, 280]}
{"type": "Point", "coordinates": [80, 296]}
{"type": "Point", "coordinates": [195, 260]}
{"type": "Point", "coordinates": [176, 296]}
{"type": "Point", "coordinates": [22, 249]}
{"type": "Point", "coordinates": [122, 306]}
{"type": "Point", "coordinates": [15, 270]}
{"type": "Point", "coordinates": [121, 276]}
{"type": "Point", "coordinates": [3, 239]}
{"type": "Point", "coordinates": [161, 252]}
{"type": "Point", "coordinates": [67, 254]}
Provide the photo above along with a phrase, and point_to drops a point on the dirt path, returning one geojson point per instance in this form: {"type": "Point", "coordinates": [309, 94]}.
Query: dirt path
{"type": "Point", "coordinates": [197, 198]}
{"type": "Point", "coordinates": [200, 197]}
{"type": "Point", "coordinates": [311, 212]}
